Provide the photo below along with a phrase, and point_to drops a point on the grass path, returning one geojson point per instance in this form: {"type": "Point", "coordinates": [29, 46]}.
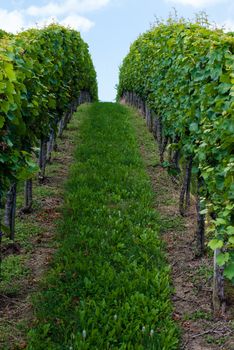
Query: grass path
{"type": "Point", "coordinates": [109, 285]}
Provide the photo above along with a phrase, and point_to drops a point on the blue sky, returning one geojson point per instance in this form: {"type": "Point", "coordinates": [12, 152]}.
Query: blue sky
{"type": "Point", "coordinates": [108, 26]}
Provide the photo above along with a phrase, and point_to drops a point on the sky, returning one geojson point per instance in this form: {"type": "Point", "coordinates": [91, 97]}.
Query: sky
{"type": "Point", "coordinates": [108, 26]}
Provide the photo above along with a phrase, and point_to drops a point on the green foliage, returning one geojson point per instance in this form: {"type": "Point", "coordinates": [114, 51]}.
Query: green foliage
{"type": "Point", "coordinates": [12, 271]}
{"type": "Point", "coordinates": [198, 315]}
{"type": "Point", "coordinates": [185, 73]}
{"type": "Point", "coordinates": [4, 34]}
{"type": "Point", "coordinates": [41, 73]}
{"type": "Point", "coordinates": [109, 287]}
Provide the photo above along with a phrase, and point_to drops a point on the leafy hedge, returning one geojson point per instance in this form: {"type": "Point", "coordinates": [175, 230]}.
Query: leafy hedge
{"type": "Point", "coordinates": [41, 73]}
{"type": "Point", "coordinates": [185, 73]}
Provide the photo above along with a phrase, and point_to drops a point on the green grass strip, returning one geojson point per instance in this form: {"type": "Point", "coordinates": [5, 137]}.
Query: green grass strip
{"type": "Point", "coordinates": [109, 287]}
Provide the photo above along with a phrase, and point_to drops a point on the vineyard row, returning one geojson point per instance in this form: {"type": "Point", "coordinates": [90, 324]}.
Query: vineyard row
{"type": "Point", "coordinates": [44, 75]}
{"type": "Point", "coordinates": [181, 76]}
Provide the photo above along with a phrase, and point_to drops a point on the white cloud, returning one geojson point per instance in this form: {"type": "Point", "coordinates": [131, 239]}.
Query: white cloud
{"type": "Point", "coordinates": [59, 8]}
{"type": "Point", "coordinates": [12, 21]}
{"type": "Point", "coordinates": [65, 12]}
{"type": "Point", "coordinates": [73, 21]}
{"type": "Point", "coordinates": [77, 22]}
{"type": "Point", "coordinates": [228, 25]}
{"type": "Point", "coordinates": [16, 21]}
{"type": "Point", "coordinates": [197, 3]}
{"type": "Point", "coordinates": [47, 10]}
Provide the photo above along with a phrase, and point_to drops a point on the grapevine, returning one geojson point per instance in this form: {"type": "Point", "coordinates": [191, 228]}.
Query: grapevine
{"type": "Point", "coordinates": [44, 75]}
{"type": "Point", "coordinates": [184, 74]}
